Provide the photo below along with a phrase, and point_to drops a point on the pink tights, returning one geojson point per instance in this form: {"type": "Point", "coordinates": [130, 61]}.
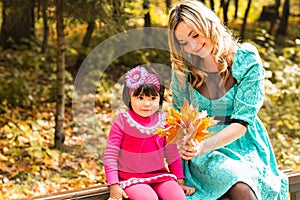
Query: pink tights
{"type": "Point", "coordinates": [168, 190]}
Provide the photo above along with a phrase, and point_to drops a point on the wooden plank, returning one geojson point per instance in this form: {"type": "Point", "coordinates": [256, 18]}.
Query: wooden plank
{"type": "Point", "coordinates": [295, 196]}
{"type": "Point", "coordinates": [294, 180]}
{"type": "Point", "coordinates": [101, 192]}
{"type": "Point", "coordinates": [294, 184]}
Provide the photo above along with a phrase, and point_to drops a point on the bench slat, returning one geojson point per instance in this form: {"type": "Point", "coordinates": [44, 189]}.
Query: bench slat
{"type": "Point", "coordinates": [101, 192]}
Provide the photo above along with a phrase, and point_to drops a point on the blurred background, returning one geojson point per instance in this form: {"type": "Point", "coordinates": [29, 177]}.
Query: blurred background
{"type": "Point", "coordinates": [43, 44]}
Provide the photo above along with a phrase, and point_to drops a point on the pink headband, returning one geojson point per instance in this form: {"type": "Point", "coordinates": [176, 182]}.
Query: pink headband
{"type": "Point", "coordinates": [139, 76]}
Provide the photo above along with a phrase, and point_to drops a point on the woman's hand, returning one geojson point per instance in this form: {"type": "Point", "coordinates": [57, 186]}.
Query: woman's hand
{"type": "Point", "coordinates": [187, 152]}
{"type": "Point", "coordinates": [116, 193]}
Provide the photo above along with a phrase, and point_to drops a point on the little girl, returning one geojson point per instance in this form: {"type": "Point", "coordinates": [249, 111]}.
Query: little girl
{"type": "Point", "coordinates": [134, 158]}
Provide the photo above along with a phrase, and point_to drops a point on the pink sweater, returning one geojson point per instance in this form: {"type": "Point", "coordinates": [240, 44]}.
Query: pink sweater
{"type": "Point", "coordinates": [133, 150]}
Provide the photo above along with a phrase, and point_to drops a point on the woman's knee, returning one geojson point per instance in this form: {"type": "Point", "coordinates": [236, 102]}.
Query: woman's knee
{"type": "Point", "coordinates": [241, 191]}
{"type": "Point", "coordinates": [241, 187]}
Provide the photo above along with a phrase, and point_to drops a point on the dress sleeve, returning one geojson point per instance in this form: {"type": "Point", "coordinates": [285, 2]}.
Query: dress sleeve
{"type": "Point", "coordinates": [174, 160]}
{"type": "Point", "coordinates": [179, 92]}
{"type": "Point", "coordinates": [248, 71]}
{"type": "Point", "coordinates": [111, 152]}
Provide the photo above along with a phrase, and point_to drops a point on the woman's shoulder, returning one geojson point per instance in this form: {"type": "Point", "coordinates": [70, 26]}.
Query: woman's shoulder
{"type": "Point", "coordinates": [246, 52]}
{"type": "Point", "coordinates": [246, 58]}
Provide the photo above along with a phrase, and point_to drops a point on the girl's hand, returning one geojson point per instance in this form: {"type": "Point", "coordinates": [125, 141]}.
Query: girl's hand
{"type": "Point", "coordinates": [116, 193]}
{"type": "Point", "coordinates": [188, 190]}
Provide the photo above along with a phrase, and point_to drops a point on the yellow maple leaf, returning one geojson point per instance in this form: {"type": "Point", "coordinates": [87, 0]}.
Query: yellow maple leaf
{"type": "Point", "coordinates": [187, 125]}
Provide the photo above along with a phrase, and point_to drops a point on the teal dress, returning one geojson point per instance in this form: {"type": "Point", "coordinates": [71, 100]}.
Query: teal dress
{"type": "Point", "coordinates": [249, 159]}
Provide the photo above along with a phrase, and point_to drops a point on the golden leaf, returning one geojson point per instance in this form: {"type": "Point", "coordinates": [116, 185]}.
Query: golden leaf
{"type": "Point", "coordinates": [187, 125]}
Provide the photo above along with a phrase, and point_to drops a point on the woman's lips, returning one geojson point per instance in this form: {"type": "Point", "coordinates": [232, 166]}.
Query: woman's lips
{"type": "Point", "coordinates": [200, 48]}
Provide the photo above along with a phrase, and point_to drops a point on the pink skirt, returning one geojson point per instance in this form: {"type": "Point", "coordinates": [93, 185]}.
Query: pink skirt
{"type": "Point", "coordinates": [148, 180]}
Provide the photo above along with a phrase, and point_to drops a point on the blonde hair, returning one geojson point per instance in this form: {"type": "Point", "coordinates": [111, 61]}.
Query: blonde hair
{"type": "Point", "coordinates": [204, 21]}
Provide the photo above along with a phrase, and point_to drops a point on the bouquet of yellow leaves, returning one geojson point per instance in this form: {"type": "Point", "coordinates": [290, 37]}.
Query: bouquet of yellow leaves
{"type": "Point", "coordinates": [187, 126]}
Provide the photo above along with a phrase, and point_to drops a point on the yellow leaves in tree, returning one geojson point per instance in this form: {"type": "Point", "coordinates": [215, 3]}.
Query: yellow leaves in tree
{"type": "Point", "coordinates": [187, 125]}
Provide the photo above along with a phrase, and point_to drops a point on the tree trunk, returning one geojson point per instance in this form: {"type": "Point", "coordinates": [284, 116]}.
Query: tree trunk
{"type": "Point", "coordinates": [60, 75]}
{"type": "Point", "coordinates": [17, 22]}
{"type": "Point", "coordinates": [147, 18]}
{"type": "Point", "coordinates": [168, 5]}
{"type": "Point", "coordinates": [282, 30]}
{"type": "Point", "coordinates": [225, 5]}
{"type": "Point", "coordinates": [89, 32]}
{"type": "Point", "coordinates": [236, 9]}
{"type": "Point", "coordinates": [212, 4]}
{"type": "Point", "coordinates": [85, 43]}
{"type": "Point", "coordinates": [245, 19]}
{"type": "Point", "coordinates": [46, 27]}
{"type": "Point", "coordinates": [117, 11]}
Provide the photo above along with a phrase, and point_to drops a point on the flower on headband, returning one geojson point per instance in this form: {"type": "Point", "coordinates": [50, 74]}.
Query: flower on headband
{"type": "Point", "coordinates": [136, 77]}
{"type": "Point", "coordinates": [139, 76]}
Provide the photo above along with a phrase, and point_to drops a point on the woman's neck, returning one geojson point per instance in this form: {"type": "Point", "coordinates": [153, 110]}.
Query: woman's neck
{"type": "Point", "coordinates": [208, 65]}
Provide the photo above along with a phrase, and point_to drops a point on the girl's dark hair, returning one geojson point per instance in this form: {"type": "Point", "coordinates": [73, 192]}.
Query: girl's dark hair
{"type": "Point", "coordinates": [145, 89]}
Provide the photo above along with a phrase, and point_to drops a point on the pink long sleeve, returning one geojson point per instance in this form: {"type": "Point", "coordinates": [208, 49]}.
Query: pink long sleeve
{"type": "Point", "coordinates": [174, 160]}
{"type": "Point", "coordinates": [111, 154]}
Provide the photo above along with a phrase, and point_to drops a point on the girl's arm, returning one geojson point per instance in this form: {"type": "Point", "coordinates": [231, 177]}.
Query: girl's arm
{"type": "Point", "coordinates": [111, 153]}
{"type": "Point", "coordinates": [173, 160]}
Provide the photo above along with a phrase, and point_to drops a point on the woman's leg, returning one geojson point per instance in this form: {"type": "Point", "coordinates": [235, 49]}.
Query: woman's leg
{"type": "Point", "coordinates": [141, 192]}
{"type": "Point", "coordinates": [224, 197]}
{"type": "Point", "coordinates": [241, 191]}
{"type": "Point", "coordinates": [169, 190]}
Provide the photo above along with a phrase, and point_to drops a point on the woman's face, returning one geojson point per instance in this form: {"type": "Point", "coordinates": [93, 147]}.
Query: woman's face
{"type": "Point", "coordinates": [144, 105]}
{"type": "Point", "coordinates": [191, 41]}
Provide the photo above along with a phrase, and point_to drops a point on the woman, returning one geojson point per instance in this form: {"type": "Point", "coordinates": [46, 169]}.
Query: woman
{"type": "Point", "coordinates": [216, 73]}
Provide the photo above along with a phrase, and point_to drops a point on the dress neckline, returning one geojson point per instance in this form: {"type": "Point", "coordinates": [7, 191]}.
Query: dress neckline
{"type": "Point", "coordinates": [145, 125]}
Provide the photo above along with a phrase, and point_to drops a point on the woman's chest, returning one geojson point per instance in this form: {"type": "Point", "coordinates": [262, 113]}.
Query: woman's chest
{"type": "Point", "coordinates": [222, 106]}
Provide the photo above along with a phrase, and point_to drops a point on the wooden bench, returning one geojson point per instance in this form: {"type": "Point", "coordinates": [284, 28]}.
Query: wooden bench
{"type": "Point", "coordinates": [101, 192]}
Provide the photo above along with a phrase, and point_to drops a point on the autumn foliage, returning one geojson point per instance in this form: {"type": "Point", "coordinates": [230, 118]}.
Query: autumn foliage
{"type": "Point", "coordinates": [187, 126]}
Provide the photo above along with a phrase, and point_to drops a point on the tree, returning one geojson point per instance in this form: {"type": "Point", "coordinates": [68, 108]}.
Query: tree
{"type": "Point", "coordinates": [60, 76]}
{"type": "Point", "coordinates": [45, 25]}
{"type": "Point", "coordinates": [282, 30]}
{"type": "Point", "coordinates": [245, 19]}
{"type": "Point", "coordinates": [168, 5]}
{"type": "Point", "coordinates": [147, 18]}
{"type": "Point", "coordinates": [236, 5]}
{"type": "Point", "coordinates": [17, 22]}
{"type": "Point", "coordinates": [225, 5]}
{"type": "Point", "coordinates": [212, 4]}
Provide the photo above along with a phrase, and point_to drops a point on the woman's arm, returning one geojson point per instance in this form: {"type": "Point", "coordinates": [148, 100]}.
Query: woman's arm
{"type": "Point", "coordinates": [226, 136]}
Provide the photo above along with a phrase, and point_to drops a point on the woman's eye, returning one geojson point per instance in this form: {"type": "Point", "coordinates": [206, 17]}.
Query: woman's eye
{"type": "Point", "coordinates": [140, 98]}
{"type": "Point", "coordinates": [195, 35]}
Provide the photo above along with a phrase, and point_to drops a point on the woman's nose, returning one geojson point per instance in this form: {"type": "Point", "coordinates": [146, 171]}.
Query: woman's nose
{"type": "Point", "coordinates": [193, 45]}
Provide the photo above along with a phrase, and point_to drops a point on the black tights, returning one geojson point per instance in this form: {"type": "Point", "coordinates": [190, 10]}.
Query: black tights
{"type": "Point", "coordinates": [239, 191]}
